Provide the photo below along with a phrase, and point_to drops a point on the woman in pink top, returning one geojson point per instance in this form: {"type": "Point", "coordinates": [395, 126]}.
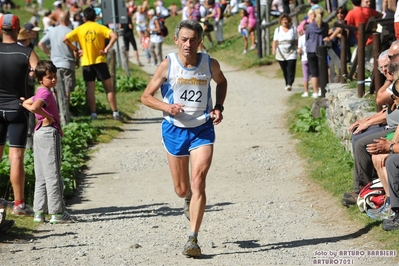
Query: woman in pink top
{"type": "Point", "coordinates": [251, 23]}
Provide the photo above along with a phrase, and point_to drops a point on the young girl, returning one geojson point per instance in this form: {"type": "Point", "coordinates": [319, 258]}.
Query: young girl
{"type": "Point", "coordinates": [243, 28]}
{"type": "Point", "coordinates": [145, 42]}
{"type": "Point", "coordinates": [49, 185]}
{"type": "Point", "coordinates": [304, 59]}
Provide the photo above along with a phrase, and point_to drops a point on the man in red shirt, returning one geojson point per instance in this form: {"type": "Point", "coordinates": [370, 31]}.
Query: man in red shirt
{"type": "Point", "coordinates": [361, 14]}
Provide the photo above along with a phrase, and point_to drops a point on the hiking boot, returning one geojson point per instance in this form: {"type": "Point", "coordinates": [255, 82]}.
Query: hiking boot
{"type": "Point", "coordinates": [380, 213]}
{"type": "Point", "coordinates": [62, 218]}
{"type": "Point", "coordinates": [186, 207]}
{"type": "Point", "coordinates": [5, 226]}
{"type": "Point", "coordinates": [349, 199]}
{"type": "Point", "coordinates": [191, 248]}
{"type": "Point", "coordinates": [38, 217]}
{"type": "Point", "coordinates": [27, 211]}
{"type": "Point", "coordinates": [391, 223]}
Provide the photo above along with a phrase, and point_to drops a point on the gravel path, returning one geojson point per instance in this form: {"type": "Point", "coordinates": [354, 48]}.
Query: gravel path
{"type": "Point", "coordinates": [261, 207]}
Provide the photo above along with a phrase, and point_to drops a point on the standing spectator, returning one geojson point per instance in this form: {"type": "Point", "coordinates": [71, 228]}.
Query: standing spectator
{"type": "Point", "coordinates": [304, 60]}
{"type": "Point", "coordinates": [13, 119]}
{"type": "Point", "coordinates": [161, 11]}
{"type": "Point", "coordinates": [155, 37]}
{"type": "Point", "coordinates": [243, 28]}
{"type": "Point", "coordinates": [49, 186]}
{"type": "Point", "coordinates": [188, 128]}
{"type": "Point", "coordinates": [128, 38]}
{"type": "Point", "coordinates": [217, 16]}
{"type": "Point", "coordinates": [315, 33]}
{"type": "Point", "coordinates": [251, 22]}
{"type": "Point", "coordinates": [91, 37]}
{"type": "Point", "coordinates": [48, 22]}
{"type": "Point", "coordinates": [145, 42]}
{"type": "Point", "coordinates": [64, 59]}
{"type": "Point", "coordinates": [285, 43]}
{"type": "Point", "coordinates": [140, 20]}
{"type": "Point", "coordinates": [33, 33]}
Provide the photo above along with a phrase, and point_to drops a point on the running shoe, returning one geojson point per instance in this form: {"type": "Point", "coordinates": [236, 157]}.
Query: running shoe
{"type": "Point", "coordinates": [62, 218]}
{"type": "Point", "coordinates": [38, 217]}
{"type": "Point", "coordinates": [191, 249]}
{"type": "Point", "coordinates": [391, 223]}
{"type": "Point", "coordinates": [27, 211]}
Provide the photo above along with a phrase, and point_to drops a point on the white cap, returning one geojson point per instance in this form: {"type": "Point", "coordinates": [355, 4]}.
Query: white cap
{"type": "Point", "coordinates": [56, 3]}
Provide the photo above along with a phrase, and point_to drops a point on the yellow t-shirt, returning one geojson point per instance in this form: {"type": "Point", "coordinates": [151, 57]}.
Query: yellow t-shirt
{"type": "Point", "coordinates": [91, 37]}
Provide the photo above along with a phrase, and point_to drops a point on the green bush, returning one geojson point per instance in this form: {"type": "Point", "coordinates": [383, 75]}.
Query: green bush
{"type": "Point", "coordinates": [307, 123]}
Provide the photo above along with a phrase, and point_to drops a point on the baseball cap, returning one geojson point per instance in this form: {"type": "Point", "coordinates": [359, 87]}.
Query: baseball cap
{"type": "Point", "coordinates": [9, 22]}
{"type": "Point", "coordinates": [23, 35]}
{"type": "Point", "coordinates": [30, 27]}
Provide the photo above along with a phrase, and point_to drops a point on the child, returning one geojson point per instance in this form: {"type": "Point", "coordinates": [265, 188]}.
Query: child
{"type": "Point", "coordinates": [49, 185]}
{"type": "Point", "coordinates": [304, 59]}
{"type": "Point", "coordinates": [145, 42]}
{"type": "Point", "coordinates": [243, 28]}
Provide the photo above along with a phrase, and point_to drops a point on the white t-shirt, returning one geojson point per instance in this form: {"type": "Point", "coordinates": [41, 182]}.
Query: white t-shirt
{"type": "Point", "coordinates": [286, 48]}
{"type": "Point", "coordinates": [302, 45]}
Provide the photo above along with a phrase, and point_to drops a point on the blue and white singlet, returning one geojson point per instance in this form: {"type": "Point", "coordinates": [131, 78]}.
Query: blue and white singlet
{"type": "Point", "coordinates": [190, 87]}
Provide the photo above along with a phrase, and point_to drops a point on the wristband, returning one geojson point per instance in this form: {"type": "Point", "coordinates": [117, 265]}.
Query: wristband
{"type": "Point", "coordinates": [391, 148]}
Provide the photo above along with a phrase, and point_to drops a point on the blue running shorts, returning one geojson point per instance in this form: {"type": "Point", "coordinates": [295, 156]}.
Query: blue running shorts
{"type": "Point", "coordinates": [180, 141]}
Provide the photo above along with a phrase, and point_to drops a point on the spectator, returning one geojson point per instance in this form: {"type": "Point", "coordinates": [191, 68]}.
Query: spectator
{"type": "Point", "coordinates": [49, 186]}
{"type": "Point", "coordinates": [13, 119]}
{"type": "Point", "coordinates": [305, 64]}
{"type": "Point", "coordinates": [91, 37]}
{"type": "Point", "coordinates": [315, 33]}
{"type": "Point", "coordinates": [285, 43]}
{"type": "Point", "coordinates": [140, 20]}
{"type": "Point", "coordinates": [33, 33]}
{"type": "Point", "coordinates": [48, 22]}
{"type": "Point", "coordinates": [145, 42]}
{"type": "Point", "coordinates": [217, 16]}
{"type": "Point", "coordinates": [251, 23]}
{"type": "Point", "coordinates": [156, 39]}
{"type": "Point", "coordinates": [64, 59]}
{"type": "Point", "coordinates": [243, 28]}
{"type": "Point", "coordinates": [128, 38]}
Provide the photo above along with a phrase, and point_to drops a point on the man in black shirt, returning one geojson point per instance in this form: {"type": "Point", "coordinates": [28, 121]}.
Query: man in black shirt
{"type": "Point", "coordinates": [17, 62]}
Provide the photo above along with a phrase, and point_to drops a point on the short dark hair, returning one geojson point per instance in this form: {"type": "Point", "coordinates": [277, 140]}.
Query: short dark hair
{"type": "Point", "coordinates": [284, 15]}
{"type": "Point", "coordinates": [356, 2]}
{"type": "Point", "coordinates": [89, 13]}
{"type": "Point", "coordinates": [191, 25]}
{"type": "Point", "coordinates": [42, 67]}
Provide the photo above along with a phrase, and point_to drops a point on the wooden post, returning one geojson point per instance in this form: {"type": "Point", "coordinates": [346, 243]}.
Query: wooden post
{"type": "Point", "coordinates": [361, 43]}
{"type": "Point", "coordinates": [343, 73]}
{"type": "Point", "coordinates": [112, 63]}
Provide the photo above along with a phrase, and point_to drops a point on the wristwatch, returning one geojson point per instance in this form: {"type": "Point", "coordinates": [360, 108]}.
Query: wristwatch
{"type": "Point", "coordinates": [219, 107]}
{"type": "Point", "coordinates": [391, 148]}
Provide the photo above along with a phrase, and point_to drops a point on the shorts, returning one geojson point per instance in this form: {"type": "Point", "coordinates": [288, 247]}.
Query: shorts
{"type": "Point", "coordinates": [313, 62]}
{"type": "Point", "coordinates": [15, 123]}
{"type": "Point", "coordinates": [180, 141]}
{"type": "Point", "coordinates": [68, 78]}
{"type": "Point", "coordinates": [99, 71]}
{"type": "Point", "coordinates": [244, 33]}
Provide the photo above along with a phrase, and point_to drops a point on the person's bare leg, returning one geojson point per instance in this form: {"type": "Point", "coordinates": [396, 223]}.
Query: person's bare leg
{"type": "Point", "coordinates": [379, 165]}
{"type": "Point", "coordinates": [91, 98]}
{"type": "Point", "coordinates": [111, 96]}
{"type": "Point", "coordinates": [201, 159]}
{"type": "Point", "coordinates": [315, 84]}
{"type": "Point", "coordinates": [17, 172]}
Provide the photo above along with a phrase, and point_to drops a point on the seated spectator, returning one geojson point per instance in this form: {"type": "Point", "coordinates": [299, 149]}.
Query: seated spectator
{"type": "Point", "coordinates": [364, 170]}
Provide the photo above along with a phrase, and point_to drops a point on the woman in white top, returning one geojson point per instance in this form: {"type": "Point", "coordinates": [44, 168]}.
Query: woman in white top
{"type": "Point", "coordinates": [285, 43]}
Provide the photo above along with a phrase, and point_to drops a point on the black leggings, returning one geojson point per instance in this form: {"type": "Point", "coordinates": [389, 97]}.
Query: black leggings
{"type": "Point", "coordinates": [288, 67]}
{"type": "Point", "coordinates": [129, 39]}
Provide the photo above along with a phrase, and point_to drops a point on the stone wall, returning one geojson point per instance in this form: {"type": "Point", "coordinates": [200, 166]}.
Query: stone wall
{"type": "Point", "coordinates": [344, 108]}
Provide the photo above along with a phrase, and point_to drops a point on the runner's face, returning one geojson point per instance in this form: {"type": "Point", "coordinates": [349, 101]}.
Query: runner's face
{"type": "Point", "coordinates": [187, 42]}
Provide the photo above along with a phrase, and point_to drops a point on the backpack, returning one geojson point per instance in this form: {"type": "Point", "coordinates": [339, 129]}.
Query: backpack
{"type": "Point", "coordinates": [371, 196]}
{"type": "Point", "coordinates": [164, 29]}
